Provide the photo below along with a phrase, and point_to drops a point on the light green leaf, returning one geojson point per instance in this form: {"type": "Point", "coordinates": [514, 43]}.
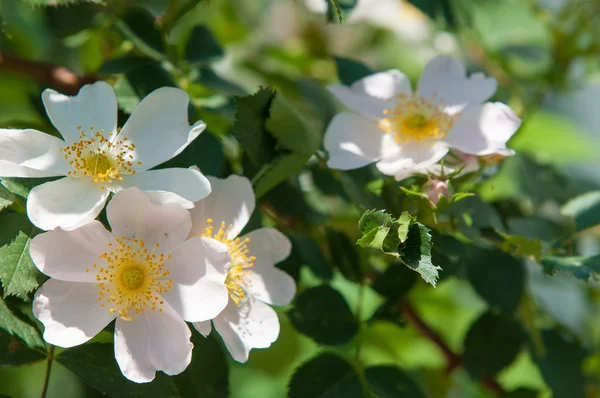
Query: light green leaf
{"type": "Point", "coordinates": [6, 198]}
{"type": "Point", "coordinates": [579, 266]}
{"type": "Point", "coordinates": [277, 171]}
{"type": "Point", "coordinates": [584, 209]}
{"type": "Point", "coordinates": [375, 226]}
{"type": "Point", "coordinates": [522, 246]}
{"type": "Point", "coordinates": [17, 327]}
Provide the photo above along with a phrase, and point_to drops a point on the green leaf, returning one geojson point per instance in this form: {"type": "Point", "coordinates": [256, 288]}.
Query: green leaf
{"type": "Point", "coordinates": [252, 111]}
{"type": "Point", "coordinates": [213, 81]}
{"type": "Point", "coordinates": [391, 382]}
{"type": "Point", "coordinates": [581, 267]}
{"type": "Point", "coordinates": [436, 10]}
{"type": "Point", "coordinates": [522, 246]}
{"type": "Point", "coordinates": [498, 277]}
{"type": "Point", "coordinates": [584, 209]}
{"type": "Point", "coordinates": [561, 366]}
{"type": "Point", "coordinates": [343, 255]}
{"type": "Point", "coordinates": [18, 273]}
{"type": "Point", "coordinates": [322, 314]}
{"type": "Point", "coordinates": [207, 374]}
{"type": "Point", "coordinates": [202, 46]}
{"type": "Point", "coordinates": [206, 152]}
{"type": "Point", "coordinates": [123, 64]}
{"type": "Point", "coordinates": [522, 393]}
{"type": "Point", "coordinates": [6, 198]}
{"type": "Point", "coordinates": [147, 77]}
{"type": "Point", "coordinates": [349, 71]}
{"type": "Point", "coordinates": [417, 253]}
{"type": "Point", "coordinates": [396, 281]}
{"type": "Point", "coordinates": [310, 254]}
{"type": "Point", "coordinates": [22, 186]}
{"type": "Point", "coordinates": [325, 376]}
{"type": "Point", "coordinates": [492, 343]}
{"type": "Point", "coordinates": [15, 326]}
{"type": "Point", "coordinates": [95, 364]}
{"type": "Point", "coordinates": [335, 6]}
{"type": "Point", "coordinates": [14, 352]}
{"type": "Point", "coordinates": [272, 174]}
{"type": "Point", "coordinates": [375, 225]}
{"type": "Point", "coordinates": [137, 25]}
{"type": "Point", "coordinates": [54, 3]}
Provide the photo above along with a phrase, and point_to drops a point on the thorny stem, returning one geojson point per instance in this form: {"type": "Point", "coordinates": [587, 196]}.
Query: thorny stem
{"type": "Point", "coordinates": [454, 361]}
{"type": "Point", "coordinates": [48, 369]}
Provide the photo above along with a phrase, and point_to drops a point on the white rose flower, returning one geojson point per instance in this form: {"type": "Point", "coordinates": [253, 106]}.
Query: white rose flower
{"type": "Point", "coordinates": [144, 273]}
{"type": "Point", "coordinates": [98, 159]}
{"type": "Point", "coordinates": [404, 131]}
{"type": "Point", "coordinates": [253, 280]}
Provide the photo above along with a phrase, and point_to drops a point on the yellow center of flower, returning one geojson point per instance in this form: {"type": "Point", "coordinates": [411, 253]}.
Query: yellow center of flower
{"type": "Point", "coordinates": [241, 261]}
{"type": "Point", "coordinates": [102, 158]}
{"type": "Point", "coordinates": [416, 119]}
{"type": "Point", "coordinates": [134, 278]}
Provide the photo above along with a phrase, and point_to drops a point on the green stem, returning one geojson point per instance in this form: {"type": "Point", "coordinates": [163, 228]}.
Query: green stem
{"type": "Point", "coordinates": [48, 369]}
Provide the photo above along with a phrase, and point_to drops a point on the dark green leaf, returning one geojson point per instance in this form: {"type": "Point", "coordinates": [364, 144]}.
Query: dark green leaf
{"type": "Point", "coordinates": [343, 255]}
{"type": "Point", "coordinates": [579, 266]}
{"type": "Point", "coordinates": [396, 281]}
{"type": "Point", "coordinates": [207, 375]}
{"type": "Point", "coordinates": [252, 112]}
{"type": "Point", "coordinates": [498, 277]}
{"type": "Point", "coordinates": [492, 343]}
{"type": "Point", "coordinates": [18, 273]}
{"type": "Point", "coordinates": [322, 314]}
{"type": "Point", "coordinates": [349, 71]}
{"type": "Point", "coordinates": [522, 393]}
{"type": "Point", "coordinates": [123, 64]}
{"type": "Point", "coordinates": [473, 215]}
{"type": "Point", "coordinates": [17, 327]}
{"type": "Point", "coordinates": [95, 364]}
{"type": "Point", "coordinates": [561, 366]}
{"type": "Point", "coordinates": [210, 79]}
{"type": "Point", "coordinates": [584, 209]}
{"type": "Point", "coordinates": [147, 77]}
{"type": "Point", "coordinates": [272, 174]}
{"type": "Point", "coordinates": [206, 152]}
{"type": "Point", "coordinates": [436, 10]}
{"type": "Point", "coordinates": [417, 253]}
{"type": "Point", "coordinates": [391, 382]}
{"type": "Point", "coordinates": [54, 3]}
{"type": "Point", "coordinates": [6, 198]}
{"type": "Point", "coordinates": [326, 376]}
{"type": "Point", "coordinates": [310, 254]}
{"type": "Point", "coordinates": [202, 46]}
{"type": "Point", "coordinates": [137, 25]}
{"type": "Point", "coordinates": [13, 351]}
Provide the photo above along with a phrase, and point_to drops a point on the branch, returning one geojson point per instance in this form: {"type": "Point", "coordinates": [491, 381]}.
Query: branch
{"type": "Point", "coordinates": [454, 361]}
{"type": "Point", "coordinates": [57, 77]}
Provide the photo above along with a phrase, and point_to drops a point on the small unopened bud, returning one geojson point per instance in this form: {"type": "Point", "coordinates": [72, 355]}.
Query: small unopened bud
{"type": "Point", "coordinates": [437, 189]}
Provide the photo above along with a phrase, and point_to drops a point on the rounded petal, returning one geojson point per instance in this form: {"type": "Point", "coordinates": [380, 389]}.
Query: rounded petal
{"type": "Point", "coordinates": [231, 201]}
{"type": "Point", "coordinates": [131, 214]}
{"type": "Point", "coordinates": [483, 130]}
{"type": "Point", "coordinates": [31, 153]}
{"type": "Point", "coordinates": [354, 141]}
{"type": "Point", "coordinates": [65, 255]}
{"type": "Point", "coordinates": [252, 324]}
{"type": "Point", "coordinates": [93, 108]}
{"type": "Point", "coordinates": [198, 269]}
{"type": "Point", "coordinates": [384, 85]}
{"type": "Point", "coordinates": [445, 78]}
{"type": "Point", "coordinates": [154, 340]}
{"type": "Point", "coordinates": [159, 127]}
{"type": "Point", "coordinates": [203, 327]}
{"type": "Point", "coordinates": [265, 282]}
{"type": "Point", "coordinates": [67, 203]}
{"type": "Point", "coordinates": [412, 157]}
{"type": "Point", "coordinates": [70, 312]}
{"type": "Point", "coordinates": [160, 198]}
{"type": "Point", "coordinates": [362, 103]}
{"type": "Point", "coordinates": [188, 184]}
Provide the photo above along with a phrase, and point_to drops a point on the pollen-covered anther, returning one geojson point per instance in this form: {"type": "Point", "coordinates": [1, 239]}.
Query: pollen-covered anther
{"type": "Point", "coordinates": [415, 118]}
{"type": "Point", "coordinates": [133, 279]}
{"type": "Point", "coordinates": [241, 260]}
{"type": "Point", "coordinates": [103, 159]}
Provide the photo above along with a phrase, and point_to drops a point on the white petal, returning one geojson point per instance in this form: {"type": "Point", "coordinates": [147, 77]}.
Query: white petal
{"type": "Point", "coordinates": [70, 312]}
{"type": "Point", "coordinates": [360, 102]}
{"type": "Point", "coordinates": [159, 127]}
{"type": "Point", "coordinates": [131, 214]}
{"type": "Point", "coordinates": [354, 141]}
{"type": "Point", "coordinates": [267, 283]}
{"type": "Point", "coordinates": [153, 341]}
{"type": "Point", "coordinates": [94, 106]}
{"type": "Point", "coordinates": [231, 200]}
{"type": "Point", "coordinates": [198, 269]}
{"type": "Point", "coordinates": [31, 153]}
{"type": "Point", "coordinates": [445, 77]}
{"type": "Point", "coordinates": [412, 157]}
{"type": "Point", "coordinates": [160, 198]}
{"type": "Point", "coordinates": [189, 184]}
{"type": "Point", "coordinates": [67, 203]}
{"type": "Point", "coordinates": [252, 324]}
{"type": "Point", "coordinates": [384, 85]}
{"type": "Point", "coordinates": [65, 255]}
{"type": "Point", "coordinates": [483, 130]}
{"type": "Point", "coordinates": [203, 327]}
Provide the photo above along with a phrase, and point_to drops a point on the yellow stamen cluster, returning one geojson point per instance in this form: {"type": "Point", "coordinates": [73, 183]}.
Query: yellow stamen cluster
{"type": "Point", "coordinates": [241, 261]}
{"type": "Point", "coordinates": [133, 279]}
{"type": "Point", "coordinates": [415, 118]}
{"type": "Point", "coordinates": [492, 160]}
{"type": "Point", "coordinates": [103, 159]}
